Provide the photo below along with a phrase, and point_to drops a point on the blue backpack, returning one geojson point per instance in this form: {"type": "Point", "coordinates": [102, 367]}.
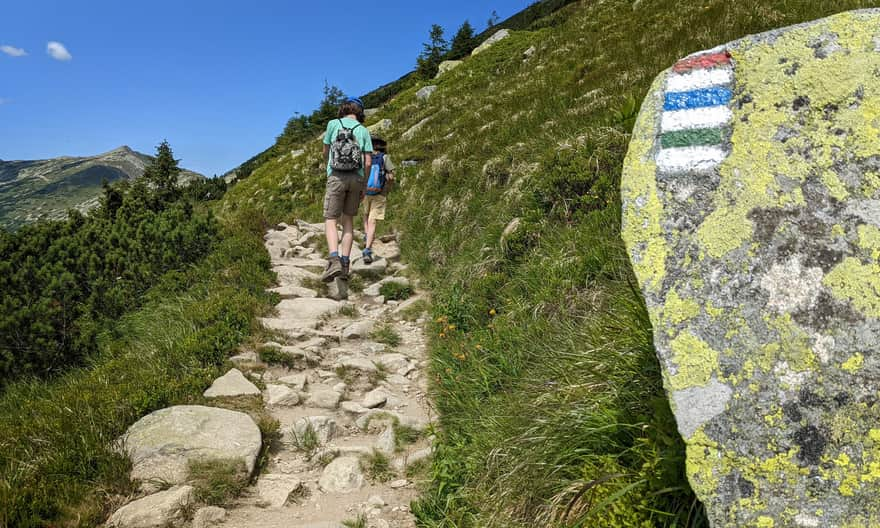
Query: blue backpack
{"type": "Point", "coordinates": [376, 181]}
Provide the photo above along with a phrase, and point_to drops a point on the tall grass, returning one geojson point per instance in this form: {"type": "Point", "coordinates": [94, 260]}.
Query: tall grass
{"type": "Point", "coordinates": [58, 466]}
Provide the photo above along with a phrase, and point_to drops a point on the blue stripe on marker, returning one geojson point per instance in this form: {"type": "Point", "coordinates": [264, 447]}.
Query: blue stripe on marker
{"type": "Point", "coordinates": [697, 98]}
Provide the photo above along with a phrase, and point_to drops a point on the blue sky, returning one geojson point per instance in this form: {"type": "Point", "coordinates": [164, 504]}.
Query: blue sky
{"type": "Point", "coordinates": [218, 79]}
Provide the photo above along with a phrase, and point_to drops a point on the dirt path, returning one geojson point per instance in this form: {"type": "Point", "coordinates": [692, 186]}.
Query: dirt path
{"type": "Point", "coordinates": [355, 420]}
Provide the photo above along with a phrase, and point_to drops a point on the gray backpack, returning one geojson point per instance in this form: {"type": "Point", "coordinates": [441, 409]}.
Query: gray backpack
{"type": "Point", "coordinates": [345, 152]}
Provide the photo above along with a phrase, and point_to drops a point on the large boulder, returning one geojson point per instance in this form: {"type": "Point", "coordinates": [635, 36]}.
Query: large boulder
{"type": "Point", "coordinates": [751, 215]}
{"type": "Point", "coordinates": [162, 444]}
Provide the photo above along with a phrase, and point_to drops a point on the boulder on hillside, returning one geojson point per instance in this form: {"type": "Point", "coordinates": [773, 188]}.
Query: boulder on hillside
{"type": "Point", "coordinates": [751, 214]}
{"type": "Point", "coordinates": [447, 66]}
{"type": "Point", "coordinates": [413, 130]}
{"type": "Point", "coordinates": [161, 445]}
{"type": "Point", "coordinates": [426, 92]}
{"type": "Point", "coordinates": [489, 42]}
{"type": "Point", "coordinates": [380, 126]}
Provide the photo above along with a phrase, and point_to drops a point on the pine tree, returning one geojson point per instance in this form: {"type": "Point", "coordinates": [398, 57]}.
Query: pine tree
{"type": "Point", "coordinates": [162, 173]}
{"type": "Point", "coordinates": [493, 20]}
{"type": "Point", "coordinates": [432, 54]}
{"type": "Point", "coordinates": [462, 42]}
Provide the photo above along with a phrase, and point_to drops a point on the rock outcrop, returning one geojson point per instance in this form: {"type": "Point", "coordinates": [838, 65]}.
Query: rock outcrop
{"type": "Point", "coordinates": [752, 218]}
{"type": "Point", "coordinates": [489, 42]}
{"type": "Point", "coordinates": [447, 66]}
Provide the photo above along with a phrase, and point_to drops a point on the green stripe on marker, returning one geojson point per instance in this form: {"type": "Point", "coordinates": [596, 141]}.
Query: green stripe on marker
{"type": "Point", "coordinates": [691, 138]}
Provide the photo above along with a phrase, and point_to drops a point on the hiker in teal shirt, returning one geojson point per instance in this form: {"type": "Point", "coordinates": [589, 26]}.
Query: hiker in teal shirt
{"type": "Point", "coordinates": [348, 152]}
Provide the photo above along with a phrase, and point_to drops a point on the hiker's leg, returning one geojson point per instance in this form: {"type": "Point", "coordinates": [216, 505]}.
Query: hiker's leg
{"type": "Point", "coordinates": [370, 229]}
{"type": "Point", "coordinates": [347, 234]}
{"type": "Point", "coordinates": [349, 211]}
{"type": "Point", "coordinates": [334, 200]}
{"type": "Point", "coordinates": [332, 235]}
{"type": "Point", "coordinates": [377, 212]}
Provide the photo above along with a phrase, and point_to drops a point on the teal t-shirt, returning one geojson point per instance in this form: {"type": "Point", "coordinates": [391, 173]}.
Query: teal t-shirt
{"type": "Point", "coordinates": [361, 133]}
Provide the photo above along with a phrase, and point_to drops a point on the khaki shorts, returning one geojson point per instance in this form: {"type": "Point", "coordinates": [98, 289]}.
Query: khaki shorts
{"type": "Point", "coordinates": [343, 194]}
{"type": "Point", "coordinates": [374, 207]}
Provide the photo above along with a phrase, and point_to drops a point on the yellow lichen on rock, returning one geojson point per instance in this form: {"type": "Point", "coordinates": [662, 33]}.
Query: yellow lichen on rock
{"type": "Point", "coordinates": [641, 219]}
{"type": "Point", "coordinates": [760, 266]}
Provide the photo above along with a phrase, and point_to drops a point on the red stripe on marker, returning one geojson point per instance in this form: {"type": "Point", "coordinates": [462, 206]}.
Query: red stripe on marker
{"type": "Point", "coordinates": [702, 62]}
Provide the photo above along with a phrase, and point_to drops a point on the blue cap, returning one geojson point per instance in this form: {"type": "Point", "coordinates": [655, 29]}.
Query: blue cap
{"type": "Point", "coordinates": [356, 101]}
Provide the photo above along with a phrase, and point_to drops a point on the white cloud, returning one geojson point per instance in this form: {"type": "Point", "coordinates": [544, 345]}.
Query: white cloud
{"type": "Point", "coordinates": [12, 51]}
{"type": "Point", "coordinates": [57, 51]}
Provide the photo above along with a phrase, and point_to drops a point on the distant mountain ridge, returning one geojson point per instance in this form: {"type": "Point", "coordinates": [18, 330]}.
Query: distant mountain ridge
{"type": "Point", "coordinates": [47, 189]}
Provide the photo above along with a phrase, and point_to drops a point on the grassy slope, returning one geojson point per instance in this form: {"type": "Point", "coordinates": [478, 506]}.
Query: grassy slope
{"type": "Point", "coordinates": [57, 465]}
{"type": "Point", "coordinates": [551, 405]}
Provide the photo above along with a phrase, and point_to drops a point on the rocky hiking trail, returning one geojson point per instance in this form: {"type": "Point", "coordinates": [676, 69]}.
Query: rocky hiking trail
{"type": "Point", "coordinates": [345, 379]}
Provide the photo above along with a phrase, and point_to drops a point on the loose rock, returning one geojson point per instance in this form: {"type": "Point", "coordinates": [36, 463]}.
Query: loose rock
{"type": "Point", "coordinates": [281, 395]}
{"type": "Point", "coordinates": [154, 511]}
{"type": "Point", "coordinates": [232, 384]}
{"type": "Point", "coordinates": [208, 516]}
{"type": "Point", "coordinates": [275, 490]}
{"type": "Point", "coordinates": [343, 475]}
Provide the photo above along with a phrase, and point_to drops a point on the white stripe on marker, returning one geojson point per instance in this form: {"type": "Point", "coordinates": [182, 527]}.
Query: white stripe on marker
{"type": "Point", "coordinates": [690, 158]}
{"type": "Point", "coordinates": [709, 117]}
{"type": "Point", "coordinates": [698, 79]}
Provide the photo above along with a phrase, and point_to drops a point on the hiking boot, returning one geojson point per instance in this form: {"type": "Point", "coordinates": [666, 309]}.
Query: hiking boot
{"type": "Point", "coordinates": [368, 256]}
{"type": "Point", "coordinates": [334, 269]}
{"type": "Point", "coordinates": [345, 267]}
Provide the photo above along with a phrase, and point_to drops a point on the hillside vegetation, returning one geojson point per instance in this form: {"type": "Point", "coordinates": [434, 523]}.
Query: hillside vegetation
{"type": "Point", "coordinates": [146, 297]}
{"type": "Point", "coordinates": [551, 406]}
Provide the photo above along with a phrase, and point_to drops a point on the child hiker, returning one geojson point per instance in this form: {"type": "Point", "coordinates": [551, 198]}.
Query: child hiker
{"type": "Point", "coordinates": [378, 184]}
{"type": "Point", "coordinates": [347, 150]}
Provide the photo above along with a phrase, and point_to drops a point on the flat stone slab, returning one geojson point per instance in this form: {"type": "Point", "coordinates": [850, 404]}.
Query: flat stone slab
{"type": "Point", "coordinates": [324, 398]}
{"type": "Point", "coordinates": [373, 270]}
{"type": "Point", "coordinates": [310, 264]}
{"type": "Point", "coordinates": [306, 309]}
{"type": "Point", "coordinates": [160, 445]}
{"type": "Point", "coordinates": [751, 214]}
{"type": "Point", "coordinates": [293, 292]}
{"type": "Point", "coordinates": [281, 395]}
{"type": "Point", "coordinates": [231, 384]}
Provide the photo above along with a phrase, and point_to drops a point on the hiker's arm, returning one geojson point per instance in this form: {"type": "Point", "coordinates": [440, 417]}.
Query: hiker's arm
{"type": "Point", "coordinates": [326, 153]}
{"type": "Point", "coordinates": [368, 162]}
